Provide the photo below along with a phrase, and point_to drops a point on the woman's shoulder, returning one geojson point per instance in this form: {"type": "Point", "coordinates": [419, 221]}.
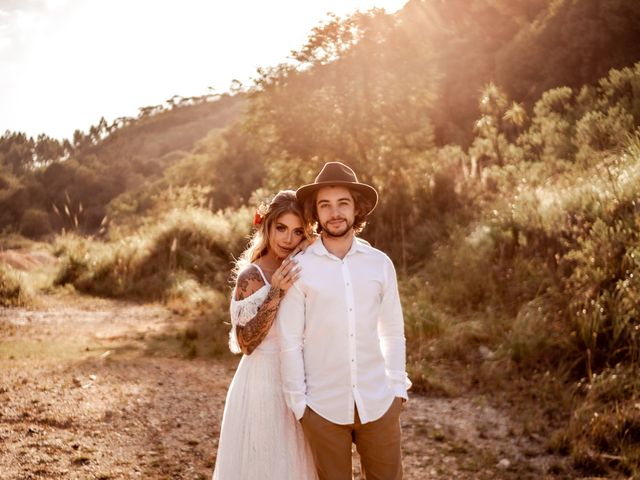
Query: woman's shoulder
{"type": "Point", "coordinates": [249, 281]}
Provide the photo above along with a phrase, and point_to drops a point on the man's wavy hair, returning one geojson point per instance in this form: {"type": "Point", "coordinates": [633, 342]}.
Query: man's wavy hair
{"type": "Point", "coordinates": [362, 206]}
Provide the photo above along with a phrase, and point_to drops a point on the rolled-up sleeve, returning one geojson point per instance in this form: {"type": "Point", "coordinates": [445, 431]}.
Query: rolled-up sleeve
{"type": "Point", "coordinates": [291, 321]}
{"type": "Point", "coordinates": [391, 333]}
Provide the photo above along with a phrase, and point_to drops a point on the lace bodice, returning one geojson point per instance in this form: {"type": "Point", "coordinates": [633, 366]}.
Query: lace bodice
{"type": "Point", "coordinates": [244, 310]}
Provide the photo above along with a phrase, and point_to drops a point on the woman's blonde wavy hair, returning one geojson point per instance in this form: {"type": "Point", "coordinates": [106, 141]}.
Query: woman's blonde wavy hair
{"type": "Point", "coordinates": [283, 202]}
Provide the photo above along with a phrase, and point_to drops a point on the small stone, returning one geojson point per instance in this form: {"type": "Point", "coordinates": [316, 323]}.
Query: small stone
{"type": "Point", "coordinates": [504, 464]}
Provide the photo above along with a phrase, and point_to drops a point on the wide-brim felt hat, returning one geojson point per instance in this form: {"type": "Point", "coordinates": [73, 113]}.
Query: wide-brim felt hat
{"type": "Point", "coordinates": [338, 174]}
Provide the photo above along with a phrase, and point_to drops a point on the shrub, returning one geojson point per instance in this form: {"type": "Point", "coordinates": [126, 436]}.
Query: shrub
{"type": "Point", "coordinates": [552, 126]}
{"type": "Point", "coordinates": [597, 132]}
{"type": "Point", "coordinates": [35, 223]}
{"type": "Point", "coordinates": [605, 292]}
{"type": "Point", "coordinates": [153, 262]}
{"type": "Point", "coordinates": [13, 292]}
{"type": "Point", "coordinates": [74, 252]}
{"type": "Point", "coordinates": [461, 272]}
{"type": "Point", "coordinates": [605, 428]}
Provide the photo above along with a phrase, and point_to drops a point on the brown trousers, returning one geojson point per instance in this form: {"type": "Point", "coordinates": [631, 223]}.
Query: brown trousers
{"type": "Point", "coordinates": [377, 442]}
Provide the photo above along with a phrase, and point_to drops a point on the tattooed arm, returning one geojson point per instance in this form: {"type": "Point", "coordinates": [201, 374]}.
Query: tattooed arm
{"type": "Point", "coordinates": [251, 334]}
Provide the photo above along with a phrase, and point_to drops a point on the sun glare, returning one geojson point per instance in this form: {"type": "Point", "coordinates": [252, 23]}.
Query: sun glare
{"type": "Point", "coordinates": [92, 59]}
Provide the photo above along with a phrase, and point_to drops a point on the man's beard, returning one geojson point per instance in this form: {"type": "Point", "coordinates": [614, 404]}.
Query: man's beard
{"type": "Point", "coordinates": [338, 233]}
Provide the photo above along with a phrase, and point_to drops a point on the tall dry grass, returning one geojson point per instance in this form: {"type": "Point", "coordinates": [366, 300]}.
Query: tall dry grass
{"type": "Point", "coordinates": [182, 255]}
{"type": "Point", "coordinates": [541, 298]}
{"type": "Point", "coordinates": [14, 291]}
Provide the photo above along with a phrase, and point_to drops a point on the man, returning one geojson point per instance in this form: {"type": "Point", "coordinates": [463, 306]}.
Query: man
{"type": "Point", "coordinates": [342, 336]}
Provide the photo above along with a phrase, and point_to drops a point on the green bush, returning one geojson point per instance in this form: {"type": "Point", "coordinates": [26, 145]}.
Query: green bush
{"type": "Point", "coordinates": [35, 223]}
{"type": "Point", "coordinates": [552, 126]}
{"type": "Point", "coordinates": [598, 132]}
{"type": "Point", "coordinates": [461, 272]}
{"type": "Point", "coordinates": [605, 292]}
{"type": "Point", "coordinates": [73, 250]}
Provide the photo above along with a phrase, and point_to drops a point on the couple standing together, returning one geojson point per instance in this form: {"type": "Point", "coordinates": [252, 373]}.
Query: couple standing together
{"type": "Point", "coordinates": [323, 338]}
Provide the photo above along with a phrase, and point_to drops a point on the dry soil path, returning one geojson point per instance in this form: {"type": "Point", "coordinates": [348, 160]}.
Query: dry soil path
{"type": "Point", "coordinates": [83, 397]}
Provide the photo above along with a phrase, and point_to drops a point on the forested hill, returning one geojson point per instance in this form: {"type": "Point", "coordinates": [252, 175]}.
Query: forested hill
{"type": "Point", "coordinates": [525, 46]}
{"type": "Point", "coordinates": [48, 184]}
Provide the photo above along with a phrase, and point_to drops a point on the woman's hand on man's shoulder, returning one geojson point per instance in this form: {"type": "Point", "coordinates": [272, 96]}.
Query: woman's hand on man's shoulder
{"type": "Point", "coordinates": [304, 244]}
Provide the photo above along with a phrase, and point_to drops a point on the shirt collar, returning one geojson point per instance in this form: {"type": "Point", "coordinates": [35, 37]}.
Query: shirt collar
{"type": "Point", "coordinates": [319, 249]}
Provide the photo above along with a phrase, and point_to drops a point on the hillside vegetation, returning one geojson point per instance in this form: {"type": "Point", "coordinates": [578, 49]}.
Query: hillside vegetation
{"type": "Point", "coordinates": [503, 139]}
{"type": "Point", "coordinates": [48, 185]}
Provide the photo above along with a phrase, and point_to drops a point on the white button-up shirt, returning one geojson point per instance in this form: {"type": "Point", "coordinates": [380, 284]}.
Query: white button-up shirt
{"type": "Point", "coordinates": [342, 335]}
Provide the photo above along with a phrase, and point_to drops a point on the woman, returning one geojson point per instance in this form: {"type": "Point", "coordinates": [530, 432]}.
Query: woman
{"type": "Point", "coordinates": [260, 437]}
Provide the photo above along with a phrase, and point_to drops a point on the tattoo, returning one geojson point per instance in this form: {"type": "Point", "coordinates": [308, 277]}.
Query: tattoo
{"type": "Point", "coordinates": [251, 334]}
{"type": "Point", "coordinates": [248, 282]}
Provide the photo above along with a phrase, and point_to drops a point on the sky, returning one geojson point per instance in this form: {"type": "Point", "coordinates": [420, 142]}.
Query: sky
{"type": "Point", "coordinates": [66, 63]}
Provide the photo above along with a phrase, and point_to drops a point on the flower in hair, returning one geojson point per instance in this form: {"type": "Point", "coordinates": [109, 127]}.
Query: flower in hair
{"type": "Point", "coordinates": [261, 211]}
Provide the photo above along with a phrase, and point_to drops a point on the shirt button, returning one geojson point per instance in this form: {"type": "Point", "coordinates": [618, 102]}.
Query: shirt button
{"type": "Point", "coordinates": [348, 284]}
{"type": "Point", "coordinates": [351, 309]}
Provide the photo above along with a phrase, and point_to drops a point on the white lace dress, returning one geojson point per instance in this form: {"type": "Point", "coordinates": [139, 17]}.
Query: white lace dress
{"type": "Point", "coordinates": [260, 437]}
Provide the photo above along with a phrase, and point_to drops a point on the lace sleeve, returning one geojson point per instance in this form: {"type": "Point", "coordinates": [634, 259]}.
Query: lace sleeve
{"type": "Point", "coordinates": [242, 311]}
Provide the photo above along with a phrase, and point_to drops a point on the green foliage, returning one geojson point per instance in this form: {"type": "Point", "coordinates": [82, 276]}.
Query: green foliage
{"type": "Point", "coordinates": [549, 138]}
{"type": "Point", "coordinates": [75, 182]}
{"type": "Point", "coordinates": [554, 247]}
{"type": "Point", "coordinates": [19, 153]}
{"type": "Point", "coordinates": [575, 240]}
{"type": "Point", "coordinates": [605, 292]}
{"type": "Point", "coordinates": [537, 341]}
{"type": "Point", "coordinates": [595, 35]}
{"type": "Point", "coordinates": [462, 270]}
{"type": "Point", "coordinates": [365, 106]}
{"type": "Point", "coordinates": [35, 223]}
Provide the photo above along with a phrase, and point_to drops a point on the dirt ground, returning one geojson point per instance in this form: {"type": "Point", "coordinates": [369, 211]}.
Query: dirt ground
{"type": "Point", "coordinates": [84, 395]}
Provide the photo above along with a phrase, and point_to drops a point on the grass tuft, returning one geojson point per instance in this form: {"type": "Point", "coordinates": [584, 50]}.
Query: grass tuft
{"type": "Point", "coordinates": [13, 290]}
